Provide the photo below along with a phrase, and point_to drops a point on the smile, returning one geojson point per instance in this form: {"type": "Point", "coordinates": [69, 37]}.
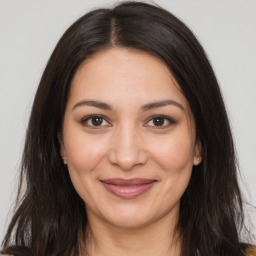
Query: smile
{"type": "Point", "coordinates": [128, 189]}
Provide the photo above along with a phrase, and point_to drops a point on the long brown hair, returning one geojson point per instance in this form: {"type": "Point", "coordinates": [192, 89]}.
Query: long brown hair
{"type": "Point", "coordinates": [50, 217]}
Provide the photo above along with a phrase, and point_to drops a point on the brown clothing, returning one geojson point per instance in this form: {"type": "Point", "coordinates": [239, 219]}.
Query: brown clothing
{"type": "Point", "coordinates": [250, 251]}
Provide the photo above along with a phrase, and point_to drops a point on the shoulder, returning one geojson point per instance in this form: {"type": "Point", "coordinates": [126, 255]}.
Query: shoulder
{"type": "Point", "coordinates": [250, 251]}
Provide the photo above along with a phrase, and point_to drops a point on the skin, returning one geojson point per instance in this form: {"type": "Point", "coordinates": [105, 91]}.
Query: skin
{"type": "Point", "coordinates": [128, 144]}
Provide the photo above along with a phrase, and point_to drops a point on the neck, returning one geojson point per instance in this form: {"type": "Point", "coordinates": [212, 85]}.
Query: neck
{"type": "Point", "coordinates": [156, 239]}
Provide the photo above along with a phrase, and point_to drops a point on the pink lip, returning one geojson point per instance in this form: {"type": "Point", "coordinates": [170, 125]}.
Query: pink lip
{"type": "Point", "coordinates": [128, 188]}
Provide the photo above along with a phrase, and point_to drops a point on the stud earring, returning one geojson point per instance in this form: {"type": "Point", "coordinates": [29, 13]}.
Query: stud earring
{"type": "Point", "coordinates": [65, 161]}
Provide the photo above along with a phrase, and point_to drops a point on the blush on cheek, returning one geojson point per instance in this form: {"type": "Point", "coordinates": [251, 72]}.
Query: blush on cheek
{"type": "Point", "coordinates": [85, 157]}
{"type": "Point", "coordinates": [174, 155]}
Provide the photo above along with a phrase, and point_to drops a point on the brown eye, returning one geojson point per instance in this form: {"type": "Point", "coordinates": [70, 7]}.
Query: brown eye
{"type": "Point", "coordinates": [158, 121]}
{"type": "Point", "coordinates": [97, 121]}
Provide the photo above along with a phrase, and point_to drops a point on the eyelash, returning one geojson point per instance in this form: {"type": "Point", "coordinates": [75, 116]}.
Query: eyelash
{"type": "Point", "coordinates": [170, 121]}
{"type": "Point", "coordinates": [85, 120]}
{"type": "Point", "coordinates": [167, 119]}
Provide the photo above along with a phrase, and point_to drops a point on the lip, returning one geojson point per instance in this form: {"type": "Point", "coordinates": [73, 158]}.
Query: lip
{"type": "Point", "coordinates": [128, 188]}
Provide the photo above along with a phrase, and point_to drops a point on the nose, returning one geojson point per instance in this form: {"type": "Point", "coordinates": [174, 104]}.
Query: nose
{"type": "Point", "coordinates": [127, 149]}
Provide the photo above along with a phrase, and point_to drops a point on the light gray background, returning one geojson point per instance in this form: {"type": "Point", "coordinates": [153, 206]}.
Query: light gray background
{"type": "Point", "coordinates": [29, 30]}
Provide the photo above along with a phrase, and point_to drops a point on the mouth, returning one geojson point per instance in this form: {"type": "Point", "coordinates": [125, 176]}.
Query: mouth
{"type": "Point", "coordinates": [128, 188]}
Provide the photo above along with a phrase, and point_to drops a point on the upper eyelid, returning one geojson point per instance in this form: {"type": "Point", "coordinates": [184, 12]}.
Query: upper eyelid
{"type": "Point", "coordinates": [86, 118]}
{"type": "Point", "coordinates": [170, 119]}
{"type": "Point", "coordinates": [160, 116]}
{"type": "Point", "coordinates": [95, 115]}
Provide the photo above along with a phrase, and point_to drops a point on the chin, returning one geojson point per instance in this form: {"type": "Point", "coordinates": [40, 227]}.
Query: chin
{"type": "Point", "coordinates": [130, 217]}
{"type": "Point", "coordinates": [130, 222]}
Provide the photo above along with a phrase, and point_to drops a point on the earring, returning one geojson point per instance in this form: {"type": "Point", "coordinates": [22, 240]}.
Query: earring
{"type": "Point", "coordinates": [65, 161]}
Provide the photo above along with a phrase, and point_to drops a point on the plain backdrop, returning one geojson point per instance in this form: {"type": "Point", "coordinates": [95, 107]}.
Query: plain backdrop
{"type": "Point", "coordinates": [30, 29]}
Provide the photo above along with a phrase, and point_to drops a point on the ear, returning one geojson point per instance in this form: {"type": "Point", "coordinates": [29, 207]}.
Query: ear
{"type": "Point", "coordinates": [62, 148]}
{"type": "Point", "coordinates": [197, 153]}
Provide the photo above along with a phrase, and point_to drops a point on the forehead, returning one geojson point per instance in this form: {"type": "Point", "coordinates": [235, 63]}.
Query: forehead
{"type": "Point", "coordinates": [121, 73]}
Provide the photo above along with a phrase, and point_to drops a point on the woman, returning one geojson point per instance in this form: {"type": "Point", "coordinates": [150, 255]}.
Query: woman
{"type": "Point", "coordinates": [128, 149]}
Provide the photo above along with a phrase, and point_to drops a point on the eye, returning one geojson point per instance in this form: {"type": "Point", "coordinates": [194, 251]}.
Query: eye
{"type": "Point", "coordinates": [95, 121]}
{"type": "Point", "coordinates": [160, 122]}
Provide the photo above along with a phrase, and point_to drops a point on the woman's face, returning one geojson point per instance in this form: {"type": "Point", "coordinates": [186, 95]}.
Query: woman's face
{"type": "Point", "coordinates": [128, 138]}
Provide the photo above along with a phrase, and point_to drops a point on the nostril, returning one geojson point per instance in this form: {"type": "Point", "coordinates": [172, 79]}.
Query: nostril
{"type": "Point", "coordinates": [126, 160]}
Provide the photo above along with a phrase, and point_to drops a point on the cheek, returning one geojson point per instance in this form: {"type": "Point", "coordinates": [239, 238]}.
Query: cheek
{"type": "Point", "coordinates": [175, 153]}
{"type": "Point", "coordinates": [83, 155]}
{"type": "Point", "coordinates": [175, 157]}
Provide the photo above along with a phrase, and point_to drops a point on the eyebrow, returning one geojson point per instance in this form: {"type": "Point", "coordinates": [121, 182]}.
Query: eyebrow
{"type": "Point", "coordinates": [93, 103]}
{"type": "Point", "coordinates": [162, 103]}
{"type": "Point", "coordinates": [105, 106]}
